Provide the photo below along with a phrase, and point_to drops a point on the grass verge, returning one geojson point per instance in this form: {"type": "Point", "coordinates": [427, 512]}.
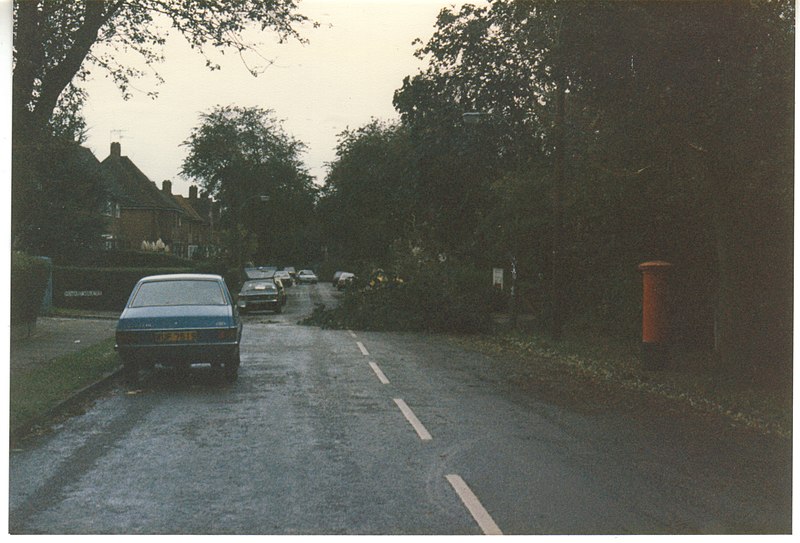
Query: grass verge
{"type": "Point", "coordinates": [36, 391]}
{"type": "Point", "coordinates": [690, 380]}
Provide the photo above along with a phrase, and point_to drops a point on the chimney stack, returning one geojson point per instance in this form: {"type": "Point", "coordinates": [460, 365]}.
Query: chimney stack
{"type": "Point", "coordinates": [166, 186]}
{"type": "Point", "coordinates": [116, 149]}
{"type": "Point", "coordinates": [193, 192]}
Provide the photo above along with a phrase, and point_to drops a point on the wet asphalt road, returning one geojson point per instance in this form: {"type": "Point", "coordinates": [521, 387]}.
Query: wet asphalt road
{"type": "Point", "coordinates": [339, 432]}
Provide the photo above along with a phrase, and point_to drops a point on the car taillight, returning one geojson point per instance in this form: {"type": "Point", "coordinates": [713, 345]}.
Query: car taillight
{"type": "Point", "coordinates": [227, 334]}
{"type": "Point", "coordinates": [125, 338]}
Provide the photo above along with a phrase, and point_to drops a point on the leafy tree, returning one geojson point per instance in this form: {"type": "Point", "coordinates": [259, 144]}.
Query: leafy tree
{"type": "Point", "coordinates": [662, 129]}
{"type": "Point", "coordinates": [491, 60]}
{"type": "Point", "coordinates": [58, 42]}
{"type": "Point", "coordinates": [368, 198]}
{"type": "Point", "coordinates": [242, 156]}
{"type": "Point", "coordinates": [698, 97]}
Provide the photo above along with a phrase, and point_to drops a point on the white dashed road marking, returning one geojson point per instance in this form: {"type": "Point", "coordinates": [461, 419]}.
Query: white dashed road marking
{"type": "Point", "coordinates": [423, 434]}
{"type": "Point", "coordinates": [474, 506]}
{"type": "Point", "coordinates": [352, 334]}
{"type": "Point", "coordinates": [381, 377]}
{"type": "Point", "coordinates": [363, 349]}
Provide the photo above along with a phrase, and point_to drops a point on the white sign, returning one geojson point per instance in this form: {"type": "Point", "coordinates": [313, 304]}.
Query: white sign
{"type": "Point", "coordinates": [497, 277]}
{"type": "Point", "coordinates": [81, 293]}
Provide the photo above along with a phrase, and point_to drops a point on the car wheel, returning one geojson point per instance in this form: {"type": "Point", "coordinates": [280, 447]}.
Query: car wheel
{"type": "Point", "coordinates": [279, 309]}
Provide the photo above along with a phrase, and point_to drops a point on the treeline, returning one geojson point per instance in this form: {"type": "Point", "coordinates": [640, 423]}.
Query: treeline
{"type": "Point", "coordinates": [581, 139]}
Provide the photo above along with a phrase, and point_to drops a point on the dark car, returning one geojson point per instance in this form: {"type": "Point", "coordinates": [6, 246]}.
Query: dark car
{"type": "Point", "coordinates": [260, 294]}
{"type": "Point", "coordinates": [179, 320]}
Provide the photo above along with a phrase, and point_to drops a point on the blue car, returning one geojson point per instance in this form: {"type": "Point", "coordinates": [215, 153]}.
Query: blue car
{"type": "Point", "coordinates": [179, 320]}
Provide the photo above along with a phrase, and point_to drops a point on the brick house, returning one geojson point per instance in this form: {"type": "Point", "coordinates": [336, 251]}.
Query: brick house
{"type": "Point", "coordinates": [139, 212]}
{"type": "Point", "coordinates": [194, 237]}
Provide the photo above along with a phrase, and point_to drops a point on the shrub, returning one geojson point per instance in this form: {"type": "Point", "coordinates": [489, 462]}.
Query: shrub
{"type": "Point", "coordinates": [29, 277]}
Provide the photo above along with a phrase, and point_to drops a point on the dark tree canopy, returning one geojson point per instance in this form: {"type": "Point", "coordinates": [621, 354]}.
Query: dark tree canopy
{"type": "Point", "coordinates": [612, 133]}
{"type": "Point", "coordinates": [239, 154]}
{"type": "Point", "coordinates": [56, 213]}
{"type": "Point", "coordinates": [368, 194]}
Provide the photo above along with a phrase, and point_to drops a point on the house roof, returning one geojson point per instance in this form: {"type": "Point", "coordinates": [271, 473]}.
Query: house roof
{"type": "Point", "coordinates": [131, 188]}
{"type": "Point", "coordinates": [191, 213]}
{"type": "Point", "coordinates": [87, 158]}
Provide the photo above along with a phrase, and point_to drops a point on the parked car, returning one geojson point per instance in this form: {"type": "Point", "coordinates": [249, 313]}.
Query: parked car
{"type": "Point", "coordinates": [306, 276]}
{"type": "Point", "coordinates": [260, 294]}
{"type": "Point", "coordinates": [291, 271]}
{"type": "Point", "coordinates": [345, 279]}
{"type": "Point", "coordinates": [336, 277]}
{"type": "Point", "coordinates": [285, 277]}
{"type": "Point", "coordinates": [179, 320]}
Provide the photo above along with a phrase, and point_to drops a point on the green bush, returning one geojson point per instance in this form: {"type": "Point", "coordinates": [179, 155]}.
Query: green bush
{"type": "Point", "coordinates": [28, 283]}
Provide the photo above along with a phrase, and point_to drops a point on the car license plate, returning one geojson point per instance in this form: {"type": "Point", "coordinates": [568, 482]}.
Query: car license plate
{"type": "Point", "coordinates": [175, 337]}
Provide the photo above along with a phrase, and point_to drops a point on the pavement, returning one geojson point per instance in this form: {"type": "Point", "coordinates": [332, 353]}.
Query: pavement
{"type": "Point", "coordinates": [53, 337]}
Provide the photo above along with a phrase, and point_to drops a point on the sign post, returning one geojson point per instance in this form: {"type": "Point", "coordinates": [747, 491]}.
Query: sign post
{"type": "Point", "coordinates": [497, 277]}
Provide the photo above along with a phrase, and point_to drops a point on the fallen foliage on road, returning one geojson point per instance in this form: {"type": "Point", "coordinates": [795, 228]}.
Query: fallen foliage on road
{"type": "Point", "coordinates": [552, 366]}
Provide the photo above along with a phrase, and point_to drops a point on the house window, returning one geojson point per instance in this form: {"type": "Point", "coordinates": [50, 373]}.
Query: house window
{"type": "Point", "coordinates": [108, 208]}
{"type": "Point", "coordinates": [117, 211]}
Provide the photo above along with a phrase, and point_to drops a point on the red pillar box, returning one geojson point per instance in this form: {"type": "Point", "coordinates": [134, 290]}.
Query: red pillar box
{"type": "Point", "coordinates": [655, 314]}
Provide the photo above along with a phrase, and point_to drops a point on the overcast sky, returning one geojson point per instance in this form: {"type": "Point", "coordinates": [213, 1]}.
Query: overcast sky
{"type": "Point", "coordinates": [342, 78]}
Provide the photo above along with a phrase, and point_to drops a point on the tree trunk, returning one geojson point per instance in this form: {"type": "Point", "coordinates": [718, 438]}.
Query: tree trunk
{"type": "Point", "coordinates": [32, 103]}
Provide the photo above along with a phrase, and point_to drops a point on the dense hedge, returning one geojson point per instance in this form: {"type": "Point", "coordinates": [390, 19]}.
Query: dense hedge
{"type": "Point", "coordinates": [103, 280]}
{"type": "Point", "coordinates": [99, 288]}
{"type": "Point", "coordinates": [29, 277]}
{"type": "Point", "coordinates": [124, 258]}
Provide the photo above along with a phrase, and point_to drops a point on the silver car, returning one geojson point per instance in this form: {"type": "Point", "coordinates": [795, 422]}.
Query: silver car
{"type": "Point", "coordinates": [306, 276]}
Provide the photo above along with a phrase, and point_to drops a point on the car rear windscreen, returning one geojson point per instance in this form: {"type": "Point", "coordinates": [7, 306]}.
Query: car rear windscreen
{"type": "Point", "coordinates": [179, 292]}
